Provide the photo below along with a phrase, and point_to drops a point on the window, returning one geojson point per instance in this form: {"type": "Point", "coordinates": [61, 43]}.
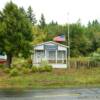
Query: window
{"type": "Point", "coordinates": [52, 55]}
{"type": "Point", "coordinates": [61, 55]}
{"type": "Point", "coordinates": [39, 55]}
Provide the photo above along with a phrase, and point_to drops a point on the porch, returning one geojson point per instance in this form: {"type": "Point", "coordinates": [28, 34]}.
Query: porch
{"type": "Point", "coordinates": [54, 53]}
{"type": "Point", "coordinates": [56, 57]}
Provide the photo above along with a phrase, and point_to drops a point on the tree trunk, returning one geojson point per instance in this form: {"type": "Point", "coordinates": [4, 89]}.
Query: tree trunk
{"type": "Point", "coordinates": [9, 60]}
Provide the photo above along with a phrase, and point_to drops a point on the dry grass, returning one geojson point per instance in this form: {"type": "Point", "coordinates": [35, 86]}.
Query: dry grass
{"type": "Point", "coordinates": [57, 78]}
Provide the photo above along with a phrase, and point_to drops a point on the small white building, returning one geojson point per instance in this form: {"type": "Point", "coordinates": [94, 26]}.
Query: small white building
{"type": "Point", "coordinates": [54, 53]}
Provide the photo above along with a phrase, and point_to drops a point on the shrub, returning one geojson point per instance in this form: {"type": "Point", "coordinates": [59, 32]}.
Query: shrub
{"type": "Point", "coordinates": [95, 56]}
{"type": "Point", "coordinates": [29, 62]}
{"type": "Point", "coordinates": [48, 68]}
{"type": "Point", "coordinates": [41, 69]}
{"type": "Point", "coordinates": [6, 70]}
{"type": "Point", "coordinates": [45, 66]}
{"type": "Point", "coordinates": [1, 65]}
{"type": "Point", "coordinates": [44, 63]}
{"type": "Point", "coordinates": [14, 72]}
{"type": "Point", "coordinates": [34, 69]}
{"type": "Point", "coordinates": [25, 70]}
{"type": "Point", "coordinates": [19, 68]}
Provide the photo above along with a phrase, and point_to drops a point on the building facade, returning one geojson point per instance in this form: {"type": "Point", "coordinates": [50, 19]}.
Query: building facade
{"type": "Point", "coordinates": [52, 52]}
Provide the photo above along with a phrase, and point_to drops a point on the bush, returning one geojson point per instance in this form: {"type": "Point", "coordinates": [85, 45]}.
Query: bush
{"type": "Point", "coordinates": [41, 69]}
{"type": "Point", "coordinates": [29, 62]}
{"type": "Point", "coordinates": [48, 68]}
{"type": "Point", "coordinates": [14, 72]}
{"type": "Point", "coordinates": [25, 70]}
{"type": "Point", "coordinates": [6, 70]}
{"type": "Point", "coordinates": [1, 65]}
{"type": "Point", "coordinates": [19, 67]}
{"type": "Point", "coordinates": [95, 56]}
{"type": "Point", "coordinates": [45, 66]}
{"type": "Point", "coordinates": [34, 69]}
{"type": "Point", "coordinates": [44, 63]}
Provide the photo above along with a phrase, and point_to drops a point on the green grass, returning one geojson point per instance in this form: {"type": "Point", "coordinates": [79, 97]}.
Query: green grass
{"type": "Point", "coordinates": [58, 78]}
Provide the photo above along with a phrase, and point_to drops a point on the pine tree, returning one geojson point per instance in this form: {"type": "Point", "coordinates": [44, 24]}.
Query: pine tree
{"type": "Point", "coordinates": [31, 15]}
{"type": "Point", "coordinates": [15, 32]}
{"type": "Point", "coordinates": [42, 21]}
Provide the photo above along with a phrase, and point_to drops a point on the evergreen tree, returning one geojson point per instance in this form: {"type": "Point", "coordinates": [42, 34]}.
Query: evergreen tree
{"type": "Point", "coordinates": [42, 22]}
{"type": "Point", "coordinates": [23, 11]}
{"type": "Point", "coordinates": [15, 32]}
{"type": "Point", "coordinates": [79, 43]}
{"type": "Point", "coordinates": [53, 23]}
{"type": "Point", "coordinates": [31, 15]}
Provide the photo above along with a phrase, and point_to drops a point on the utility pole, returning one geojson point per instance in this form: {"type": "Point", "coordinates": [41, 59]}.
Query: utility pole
{"type": "Point", "coordinates": [68, 41]}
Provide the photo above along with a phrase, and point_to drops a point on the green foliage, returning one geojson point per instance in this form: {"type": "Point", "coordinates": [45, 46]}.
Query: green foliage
{"type": "Point", "coordinates": [31, 15]}
{"type": "Point", "coordinates": [14, 72]}
{"type": "Point", "coordinates": [95, 56]}
{"type": "Point", "coordinates": [2, 65]}
{"type": "Point", "coordinates": [16, 24]}
{"type": "Point", "coordinates": [93, 34]}
{"type": "Point", "coordinates": [42, 22]}
{"type": "Point", "coordinates": [57, 79]}
{"type": "Point", "coordinates": [48, 68]}
{"type": "Point", "coordinates": [45, 66]}
{"type": "Point", "coordinates": [41, 69]}
{"type": "Point", "coordinates": [15, 32]}
{"type": "Point", "coordinates": [25, 70]}
{"type": "Point", "coordinates": [79, 43]}
{"type": "Point", "coordinates": [53, 29]}
{"type": "Point", "coordinates": [44, 63]}
{"type": "Point", "coordinates": [39, 35]}
{"type": "Point", "coordinates": [34, 69]}
{"type": "Point", "coordinates": [29, 62]}
{"type": "Point", "coordinates": [6, 70]}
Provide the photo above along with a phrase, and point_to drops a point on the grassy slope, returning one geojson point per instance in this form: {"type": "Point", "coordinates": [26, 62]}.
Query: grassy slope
{"type": "Point", "coordinates": [55, 79]}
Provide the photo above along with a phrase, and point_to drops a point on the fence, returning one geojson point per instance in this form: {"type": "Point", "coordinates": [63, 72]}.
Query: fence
{"type": "Point", "coordinates": [86, 64]}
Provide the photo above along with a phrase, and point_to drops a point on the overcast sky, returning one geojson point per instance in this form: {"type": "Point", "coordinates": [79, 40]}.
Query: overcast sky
{"type": "Point", "coordinates": [57, 10]}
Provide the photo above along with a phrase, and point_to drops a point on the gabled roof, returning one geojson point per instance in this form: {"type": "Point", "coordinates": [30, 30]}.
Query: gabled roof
{"type": "Point", "coordinates": [52, 43]}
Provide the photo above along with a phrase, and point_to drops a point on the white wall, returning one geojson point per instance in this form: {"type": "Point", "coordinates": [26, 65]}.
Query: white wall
{"type": "Point", "coordinates": [39, 47]}
{"type": "Point", "coordinates": [61, 48]}
{"type": "Point", "coordinates": [3, 57]}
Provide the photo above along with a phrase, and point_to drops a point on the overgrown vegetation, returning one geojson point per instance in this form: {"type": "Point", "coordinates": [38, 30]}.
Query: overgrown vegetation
{"type": "Point", "coordinates": [58, 78]}
{"type": "Point", "coordinates": [14, 72]}
{"type": "Point", "coordinates": [46, 77]}
{"type": "Point", "coordinates": [22, 66]}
